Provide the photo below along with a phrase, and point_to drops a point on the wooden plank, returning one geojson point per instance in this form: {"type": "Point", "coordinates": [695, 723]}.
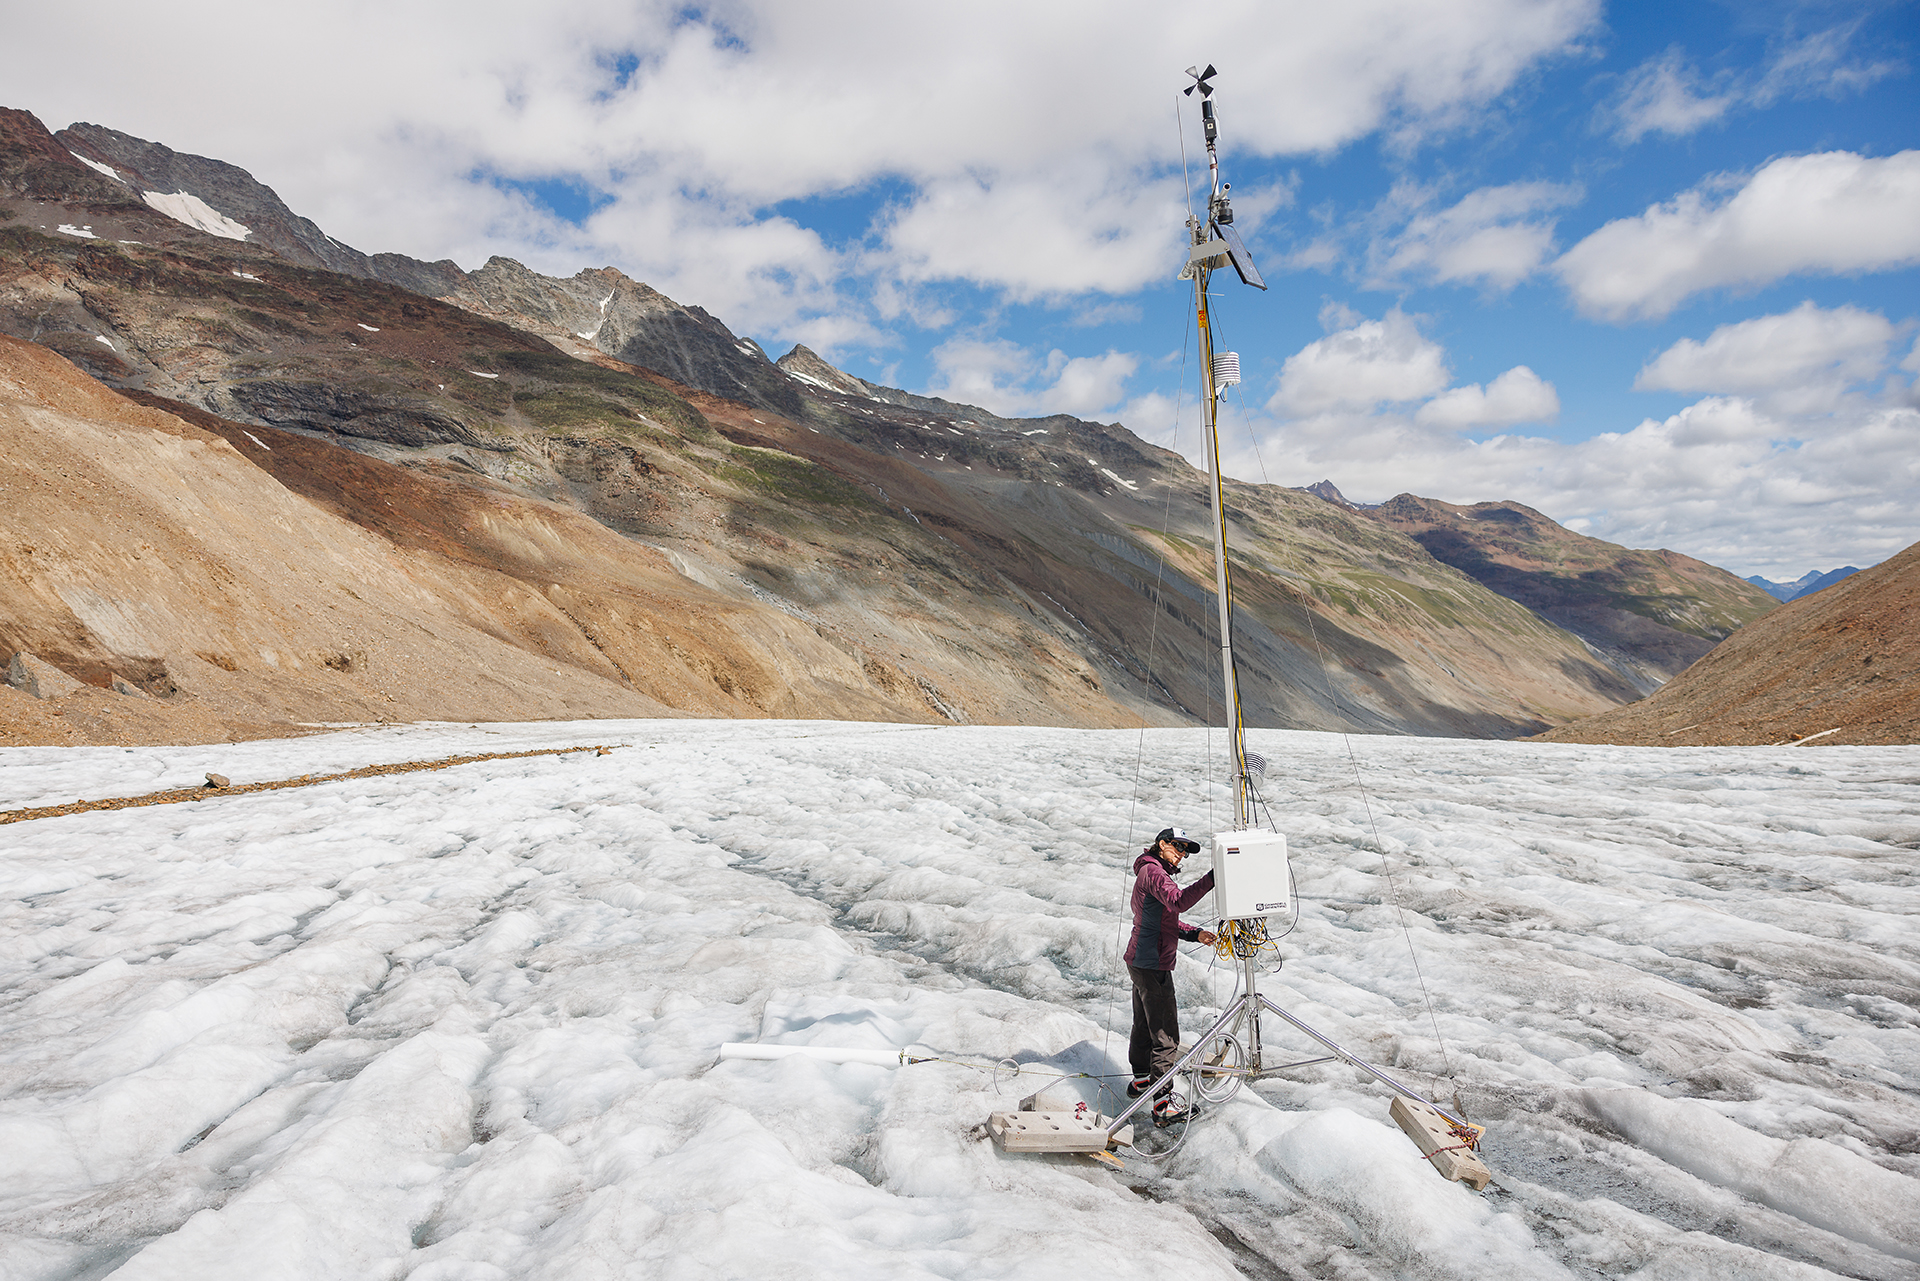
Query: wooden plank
{"type": "Point", "coordinates": [1433, 1135]}
{"type": "Point", "coordinates": [1048, 1132]}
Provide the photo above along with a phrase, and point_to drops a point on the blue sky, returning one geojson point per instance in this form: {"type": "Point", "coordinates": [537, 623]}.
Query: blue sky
{"type": "Point", "coordinates": [1649, 268]}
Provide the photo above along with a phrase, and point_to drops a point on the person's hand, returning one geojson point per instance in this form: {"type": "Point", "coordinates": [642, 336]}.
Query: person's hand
{"type": "Point", "coordinates": [1209, 938]}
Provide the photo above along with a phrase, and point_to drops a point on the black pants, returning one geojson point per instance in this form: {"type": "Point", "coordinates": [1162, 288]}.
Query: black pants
{"type": "Point", "coordinates": [1155, 1045]}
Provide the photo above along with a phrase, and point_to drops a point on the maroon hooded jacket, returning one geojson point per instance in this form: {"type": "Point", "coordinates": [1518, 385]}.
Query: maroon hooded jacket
{"type": "Point", "coordinates": [1157, 904]}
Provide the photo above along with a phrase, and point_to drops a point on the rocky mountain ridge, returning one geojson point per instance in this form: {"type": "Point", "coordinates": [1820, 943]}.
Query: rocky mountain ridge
{"type": "Point", "coordinates": [1051, 570]}
{"type": "Point", "coordinates": [1651, 613]}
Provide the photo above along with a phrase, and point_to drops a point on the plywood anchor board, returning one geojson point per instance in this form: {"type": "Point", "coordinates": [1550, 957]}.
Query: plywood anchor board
{"type": "Point", "coordinates": [1051, 1132]}
{"type": "Point", "coordinates": [1433, 1135]}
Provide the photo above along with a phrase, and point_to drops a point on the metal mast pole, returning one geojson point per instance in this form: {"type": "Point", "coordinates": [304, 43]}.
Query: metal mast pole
{"type": "Point", "coordinates": [1222, 586]}
{"type": "Point", "coordinates": [1201, 230]}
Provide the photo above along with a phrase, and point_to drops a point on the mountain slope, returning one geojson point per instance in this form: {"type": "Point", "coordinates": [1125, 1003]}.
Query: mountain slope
{"type": "Point", "coordinates": [261, 576]}
{"type": "Point", "coordinates": [1652, 613]}
{"type": "Point", "coordinates": [1840, 666]}
{"type": "Point", "coordinates": [260, 216]}
{"type": "Point", "coordinates": [598, 307]}
{"type": "Point", "coordinates": [1050, 569]}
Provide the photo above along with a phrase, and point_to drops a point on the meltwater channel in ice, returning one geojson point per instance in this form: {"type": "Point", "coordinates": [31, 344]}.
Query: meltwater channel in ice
{"type": "Point", "coordinates": [464, 1023]}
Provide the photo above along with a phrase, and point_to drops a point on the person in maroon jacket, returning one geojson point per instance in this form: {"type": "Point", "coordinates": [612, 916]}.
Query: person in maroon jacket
{"type": "Point", "coordinates": [1151, 953]}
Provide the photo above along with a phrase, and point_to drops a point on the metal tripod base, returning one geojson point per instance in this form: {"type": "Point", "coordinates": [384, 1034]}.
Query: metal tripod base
{"type": "Point", "coordinates": [1244, 1011]}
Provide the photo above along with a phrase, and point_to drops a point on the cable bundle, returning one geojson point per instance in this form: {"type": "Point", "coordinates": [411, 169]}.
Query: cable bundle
{"type": "Point", "coordinates": [1240, 939]}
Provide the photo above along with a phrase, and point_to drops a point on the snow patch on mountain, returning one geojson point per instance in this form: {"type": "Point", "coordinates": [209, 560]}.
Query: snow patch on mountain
{"type": "Point", "coordinates": [185, 207]}
{"type": "Point", "coordinates": [95, 165]}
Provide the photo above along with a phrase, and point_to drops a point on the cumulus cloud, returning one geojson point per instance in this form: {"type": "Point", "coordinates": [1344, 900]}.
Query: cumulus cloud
{"type": "Point", "coordinates": [1770, 475]}
{"type": "Point", "coordinates": [1830, 213]}
{"type": "Point", "coordinates": [1034, 236]}
{"type": "Point", "coordinates": [1810, 356]}
{"type": "Point", "coordinates": [1006, 379]}
{"type": "Point", "coordinates": [693, 124]}
{"type": "Point", "coordinates": [1366, 364]}
{"type": "Point", "coordinates": [1836, 491]}
{"type": "Point", "coordinates": [1495, 236]}
{"type": "Point", "coordinates": [1517, 396]}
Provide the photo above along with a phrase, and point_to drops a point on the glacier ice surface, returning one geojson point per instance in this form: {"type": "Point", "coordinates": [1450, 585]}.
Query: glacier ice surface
{"type": "Point", "coordinates": [463, 1023]}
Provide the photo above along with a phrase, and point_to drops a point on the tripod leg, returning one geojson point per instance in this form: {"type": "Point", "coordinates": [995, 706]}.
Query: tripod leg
{"type": "Point", "coordinates": [1345, 1056]}
{"type": "Point", "coordinates": [1221, 1024]}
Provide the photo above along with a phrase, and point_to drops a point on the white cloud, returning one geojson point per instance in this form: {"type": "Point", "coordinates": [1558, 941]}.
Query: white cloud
{"type": "Point", "coordinates": [1663, 95]}
{"type": "Point", "coordinates": [1006, 379]}
{"type": "Point", "coordinates": [1033, 165]}
{"type": "Point", "coordinates": [1086, 386]}
{"type": "Point", "coordinates": [1517, 396]}
{"type": "Point", "coordinates": [1369, 363]}
{"type": "Point", "coordinates": [1819, 66]}
{"type": "Point", "coordinates": [1785, 478]}
{"type": "Point", "coordinates": [1666, 95]}
{"type": "Point", "coordinates": [1158, 417]}
{"type": "Point", "coordinates": [1721, 479]}
{"type": "Point", "coordinates": [1336, 315]}
{"type": "Point", "coordinates": [1830, 213]}
{"type": "Point", "coordinates": [1039, 236]}
{"type": "Point", "coordinates": [1494, 236]}
{"type": "Point", "coordinates": [1809, 355]}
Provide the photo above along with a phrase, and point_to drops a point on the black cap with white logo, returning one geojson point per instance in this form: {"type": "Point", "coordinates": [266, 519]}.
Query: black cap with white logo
{"type": "Point", "coordinates": [1180, 839]}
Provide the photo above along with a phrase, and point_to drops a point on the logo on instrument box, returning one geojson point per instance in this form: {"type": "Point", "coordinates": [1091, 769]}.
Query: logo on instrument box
{"type": "Point", "coordinates": [1267, 907]}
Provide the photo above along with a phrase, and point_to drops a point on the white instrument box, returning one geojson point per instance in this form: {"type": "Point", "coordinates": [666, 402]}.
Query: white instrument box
{"type": "Point", "coordinates": [1251, 877]}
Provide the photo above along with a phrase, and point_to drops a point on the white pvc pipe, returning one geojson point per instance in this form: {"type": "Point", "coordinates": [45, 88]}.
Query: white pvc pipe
{"type": "Point", "coordinates": [823, 1053]}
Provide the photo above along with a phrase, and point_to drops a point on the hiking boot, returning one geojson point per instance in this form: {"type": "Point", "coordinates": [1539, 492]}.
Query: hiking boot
{"type": "Point", "coordinates": [1171, 1109]}
{"type": "Point", "coordinates": [1139, 1086]}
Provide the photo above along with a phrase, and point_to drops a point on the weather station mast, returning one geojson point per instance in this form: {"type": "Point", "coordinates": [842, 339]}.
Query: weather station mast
{"type": "Point", "coordinates": [1254, 898]}
{"type": "Point", "coordinates": [1214, 245]}
{"type": "Point", "coordinates": [1253, 890]}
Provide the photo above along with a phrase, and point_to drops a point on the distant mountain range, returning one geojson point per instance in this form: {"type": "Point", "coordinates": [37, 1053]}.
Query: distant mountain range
{"type": "Point", "coordinates": [1805, 585]}
{"type": "Point", "coordinates": [630, 497]}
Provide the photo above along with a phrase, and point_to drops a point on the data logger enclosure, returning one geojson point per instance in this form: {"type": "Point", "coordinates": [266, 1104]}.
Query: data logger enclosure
{"type": "Point", "coordinates": [1251, 877]}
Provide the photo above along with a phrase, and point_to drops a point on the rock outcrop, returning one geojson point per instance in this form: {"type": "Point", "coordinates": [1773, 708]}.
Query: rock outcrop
{"type": "Point", "coordinates": [804, 364]}
{"type": "Point", "coordinates": [38, 678]}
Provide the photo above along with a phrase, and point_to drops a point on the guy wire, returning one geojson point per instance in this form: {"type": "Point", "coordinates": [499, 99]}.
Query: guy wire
{"type": "Point", "coordinates": [1180, 125]}
{"type": "Point", "coordinates": [1366, 802]}
{"type": "Point", "coordinates": [1153, 640]}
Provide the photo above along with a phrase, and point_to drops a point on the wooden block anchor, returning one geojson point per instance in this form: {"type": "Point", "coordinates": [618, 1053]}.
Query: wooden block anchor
{"type": "Point", "coordinates": [1052, 1132]}
{"type": "Point", "coordinates": [1433, 1135]}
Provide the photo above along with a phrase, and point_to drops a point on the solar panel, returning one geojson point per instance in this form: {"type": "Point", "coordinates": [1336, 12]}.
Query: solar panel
{"type": "Point", "coordinates": [1238, 255]}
